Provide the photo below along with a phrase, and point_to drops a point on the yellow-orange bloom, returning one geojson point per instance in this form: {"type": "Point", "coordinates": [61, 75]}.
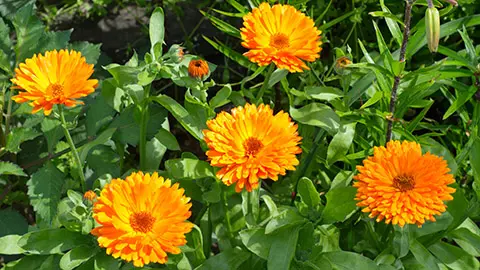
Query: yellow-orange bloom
{"type": "Point", "coordinates": [251, 143]}
{"type": "Point", "coordinates": [90, 195]}
{"type": "Point", "coordinates": [198, 69]}
{"type": "Point", "coordinates": [282, 35]}
{"type": "Point", "coordinates": [402, 186]}
{"type": "Point", "coordinates": [142, 218]}
{"type": "Point", "coordinates": [56, 78]}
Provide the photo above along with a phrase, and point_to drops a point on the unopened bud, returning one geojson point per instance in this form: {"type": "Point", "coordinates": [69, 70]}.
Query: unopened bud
{"type": "Point", "coordinates": [432, 27]}
{"type": "Point", "coordinates": [176, 53]}
{"type": "Point", "coordinates": [341, 64]}
{"type": "Point", "coordinates": [452, 2]}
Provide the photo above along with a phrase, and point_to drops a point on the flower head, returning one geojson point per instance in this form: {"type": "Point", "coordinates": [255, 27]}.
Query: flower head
{"type": "Point", "coordinates": [251, 143]}
{"type": "Point", "coordinates": [59, 77]}
{"type": "Point", "coordinates": [90, 195]}
{"type": "Point", "coordinates": [142, 218]}
{"type": "Point", "coordinates": [282, 35]}
{"type": "Point", "coordinates": [402, 186]}
{"type": "Point", "coordinates": [198, 69]}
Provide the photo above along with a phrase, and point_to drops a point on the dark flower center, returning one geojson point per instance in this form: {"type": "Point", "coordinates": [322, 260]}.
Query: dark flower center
{"type": "Point", "coordinates": [279, 41]}
{"type": "Point", "coordinates": [56, 90]}
{"type": "Point", "coordinates": [142, 222]}
{"type": "Point", "coordinates": [252, 146]}
{"type": "Point", "coordinates": [404, 182]}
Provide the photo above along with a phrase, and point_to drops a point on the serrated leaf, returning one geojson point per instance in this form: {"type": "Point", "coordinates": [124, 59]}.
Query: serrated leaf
{"type": "Point", "coordinates": [7, 168]}
{"type": "Point", "coordinates": [99, 114]}
{"type": "Point", "coordinates": [52, 241]}
{"type": "Point", "coordinates": [53, 41]}
{"type": "Point", "coordinates": [53, 132]}
{"type": "Point", "coordinates": [45, 191]}
{"type": "Point", "coordinates": [29, 30]}
{"type": "Point", "coordinates": [90, 51]}
{"type": "Point", "coordinates": [19, 135]}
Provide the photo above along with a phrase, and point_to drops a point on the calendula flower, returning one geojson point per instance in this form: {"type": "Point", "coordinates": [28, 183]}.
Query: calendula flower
{"type": "Point", "coordinates": [142, 218]}
{"type": "Point", "coordinates": [90, 195]}
{"type": "Point", "coordinates": [198, 69]}
{"type": "Point", "coordinates": [403, 186]}
{"type": "Point", "coordinates": [59, 77]}
{"type": "Point", "coordinates": [251, 143]}
{"type": "Point", "coordinates": [282, 35]}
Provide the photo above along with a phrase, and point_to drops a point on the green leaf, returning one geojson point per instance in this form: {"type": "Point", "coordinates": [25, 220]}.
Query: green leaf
{"type": "Point", "coordinates": [287, 218]}
{"type": "Point", "coordinates": [308, 192]}
{"type": "Point", "coordinates": [19, 135]}
{"type": "Point", "coordinates": [9, 246]}
{"type": "Point", "coordinates": [423, 255]}
{"type": "Point", "coordinates": [228, 52]}
{"type": "Point", "coordinates": [454, 257]}
{"type": "Point", "coordinates": [182, 115]}
{"type": "Point", "coordinates": [11, 222]}
{"type": "Point", "coordinates": [113, 94]}
{"type": "Point", "coordinates": [100, 139]}
{"type": "Point", "coordinates": [341, 260]}
{"type": "Point", "coordinates": [103, 261]}
{"type": "Point", "coordinates": [257, 241]}
{"type": "Point", "coordinates": [167, 139]}
{"type": "Point", "coordinates": [155, 153]}
{"type": "Point", "coordinates": [187, 168]}
{"type": "Point", "coordinates": [469, 47]}
{"type": "Point", "coordinates": [123, 75]}
{"type": "Point", "coordinates": [7, 168]}
{"type": "Point", "coordinates": [53, 132]}
{"type": "Point", "coordinates": [221, 25]}
{"type": "Point", "coordinates": [392, 24]}
{"type": "Point", "coordinates": [341, 142]}
{"type": "Point", "coordinates": [195, 244]}
{"type": "Point", "coordinates": [228, 259]}
{"type": "Point", "coordinates": [323, 92]}
{"type": "Point", "coordinates": [374, 99]}
{"type": "Point", "coordinates": [98, 115]}
{"type": "Point", "coordinates": [102, 159]}
{"type": "Point", "coordinates": [462, 98]}
{"type": "Point", "coordinates": [45, 191]}
{"type": "Point", "coordinates": [317, 114]}
{"type": "Point", "coordinates": [9, 8]}
{"type": "Point", "coordinates": [29, 30]}
{"type": "Point", "coordinates": [474, 157]}
{"type": "Point", "coordinates": [283, 248]}
{"type": "Point", "coordinates": [90, 51]}
{"type": "Point", "coordinates": [77, 256]}
{"type": "Point", "coordinates": [340, 204]}
{"type": "Point", "coordinates": [53, 41]}
{"type": "Point", "coordinates": [157, 30]}
{"type": "Point", "coordinates": [35, 262]}
{"type": "Point", "coordinates": [52, 241]}
{"type": "Point", "coordinates": [277, 76]}
{"type": "Point", "coordinates": [221, 98]}
{"type": "Point", "coordinates": [467, 240]}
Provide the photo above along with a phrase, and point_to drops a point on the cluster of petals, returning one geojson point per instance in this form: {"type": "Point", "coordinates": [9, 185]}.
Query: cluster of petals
{"type": "Point", "coordinates": [401, 185]}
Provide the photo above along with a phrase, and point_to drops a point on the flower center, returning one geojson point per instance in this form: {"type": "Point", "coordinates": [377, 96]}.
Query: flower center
{"type": "Point", "coordinates": [142, 222]}
{"type": "Point", "coordinates": [252, 146]}
{"type": "Point", "coordinates": [404, 182]}
{"type": "Point", "coordinates": [279, 41]}
{"type": "Point", "coordinates": [56, 90]}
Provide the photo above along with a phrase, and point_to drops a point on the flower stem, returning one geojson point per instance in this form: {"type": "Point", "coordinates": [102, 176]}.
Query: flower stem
{"type": "Point", "coordinates": [265, 83]}
{"type": "Point", "coordinates": [396, 82]}
{"type": "Point", "coordinates": [76, 157]}
{"type": "Point", "coordinates": [143, 138]}
{"type": "Point", "coordinates": [227, 214]}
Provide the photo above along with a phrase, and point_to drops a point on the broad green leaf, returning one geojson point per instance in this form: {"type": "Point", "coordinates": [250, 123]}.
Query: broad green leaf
{"type": "Point", "coordinates": [29, 30]}
{"type": "Point", "coordinates": [195, 244]}
{"type": "Point", "coordinates": [308, 192]}
{"type": "Point", "coordinates": [11, 222]}
{"type": "Point", "coordinates": [40, 262]}
{"type": "Point", "coordinates": [19, 135]}
{"type": "Point", "coordinates": [221, 98]}
{"type": "Point", "coordinates": [157, 30]}
{"type": "Point", "coordinates": [277, 76]}
{"type": "Point", "coordinates": [103, 261]}
{"type": "Point", "coordinates": [167, 139]}
{"type": "Point", "coordinates": [221, 25]}
{"type": "Point", "coordinates": [341, 260]}
{"type": "Point", "coordinates": [423, 255]}
{"type": "Point", "coordinates": [342, 179]}
{"type": "Point", "coordinates": [467, 240]}
{"type": "Point", "coordinates": [99, 114]}
{"type": "Point", "coordinates": [454, 257]}
{"type": "Point", "coordinates": [100, 139]}
{"type": "Point", "coordinates": [187, 168]}
{"type": "Point", "coordinates": [53, 41]}
{"type": "Point", "coordinates": [7, 168]}
{"type": "Point", "coordinates": [341, 142]}
{"type": "Point", "coordinates": [283, 248]}
{"type": "Point", "coordinates": [53, 132]}
{"type": "Point", "coordinates": [257, 241]}
{"type": "Point", "coordinates": [5, 47]}
{"type": "Point", "coordinates": [181, 114]}
{"type": "Point", "coordinates": [102, 159]}
{"type": "Point", "coordinates": [9, 246]}
{"type": "Point", "coordinates": [289, 217]}
{"type": "Point", "coordinates": [77, 256]}
{"type": "Point", "coordinates": [52, 241]}
{"type": "Point", "coordinates": [123, 75]}
{"type": "Point", "coordinates": [323, 92]}
{"type": "Point", "coordinates": [90, 51]}
{"type": "Point", "coordinates": [340, 204]}
{"type": "Point", "coordinates": [155, 153]}
{"type": "Point", "coordinates": [317, 114]}
{"type": "Point", "coordinates": [45, 191]}
{"type": "Point", "coordinates": [9, 8]}
{"type": "Point", "coordinates": [228, 259]}
{"type": "Point", "coordinates": [251, 206]}
{"type": "Point", "coordinates": [113, 95]}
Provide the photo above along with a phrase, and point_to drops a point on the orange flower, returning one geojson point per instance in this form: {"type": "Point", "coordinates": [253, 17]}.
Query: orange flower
{"type": "Point", "coordinates": [90, 195]}
{"type": "Point", "coordinates": [402, 186]}
{"type": "Point", "coordinates": [251, 144]}
{"type": "Point", "coordinates": [282, 35]}
{"type": "Point", "coordinates": [198, 69]}
{"type": "Point", "coordinates": [56, 78]}
{"type": "Point", "coordinates": [142, 218]}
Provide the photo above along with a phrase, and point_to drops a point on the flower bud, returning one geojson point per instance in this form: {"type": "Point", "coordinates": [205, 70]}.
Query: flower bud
{"type": "Point", "coordinates": [176, 53]}
{"type": "Point", "coordinates": [432, 27]}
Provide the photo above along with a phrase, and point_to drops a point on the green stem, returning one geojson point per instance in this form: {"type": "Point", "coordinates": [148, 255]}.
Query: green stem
{"type": "Point", "coordinates": [265, 83]}
{"type": "Point", "coordinates": [73, 148]}
{"type": "Point", "coordinates": [143, 138]}
{"type": "Point", "coordinates": [227, 215]}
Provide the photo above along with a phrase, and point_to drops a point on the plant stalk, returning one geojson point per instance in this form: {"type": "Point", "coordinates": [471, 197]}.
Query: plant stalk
{"type": "Point", "coordinates": [396, 82]}
{"type": "Point", "coordinates": [265, 82]}
{"type": "Point", "coordinates": [76, 157]}
{"type": "Point", "coordinates": [143, 138]}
